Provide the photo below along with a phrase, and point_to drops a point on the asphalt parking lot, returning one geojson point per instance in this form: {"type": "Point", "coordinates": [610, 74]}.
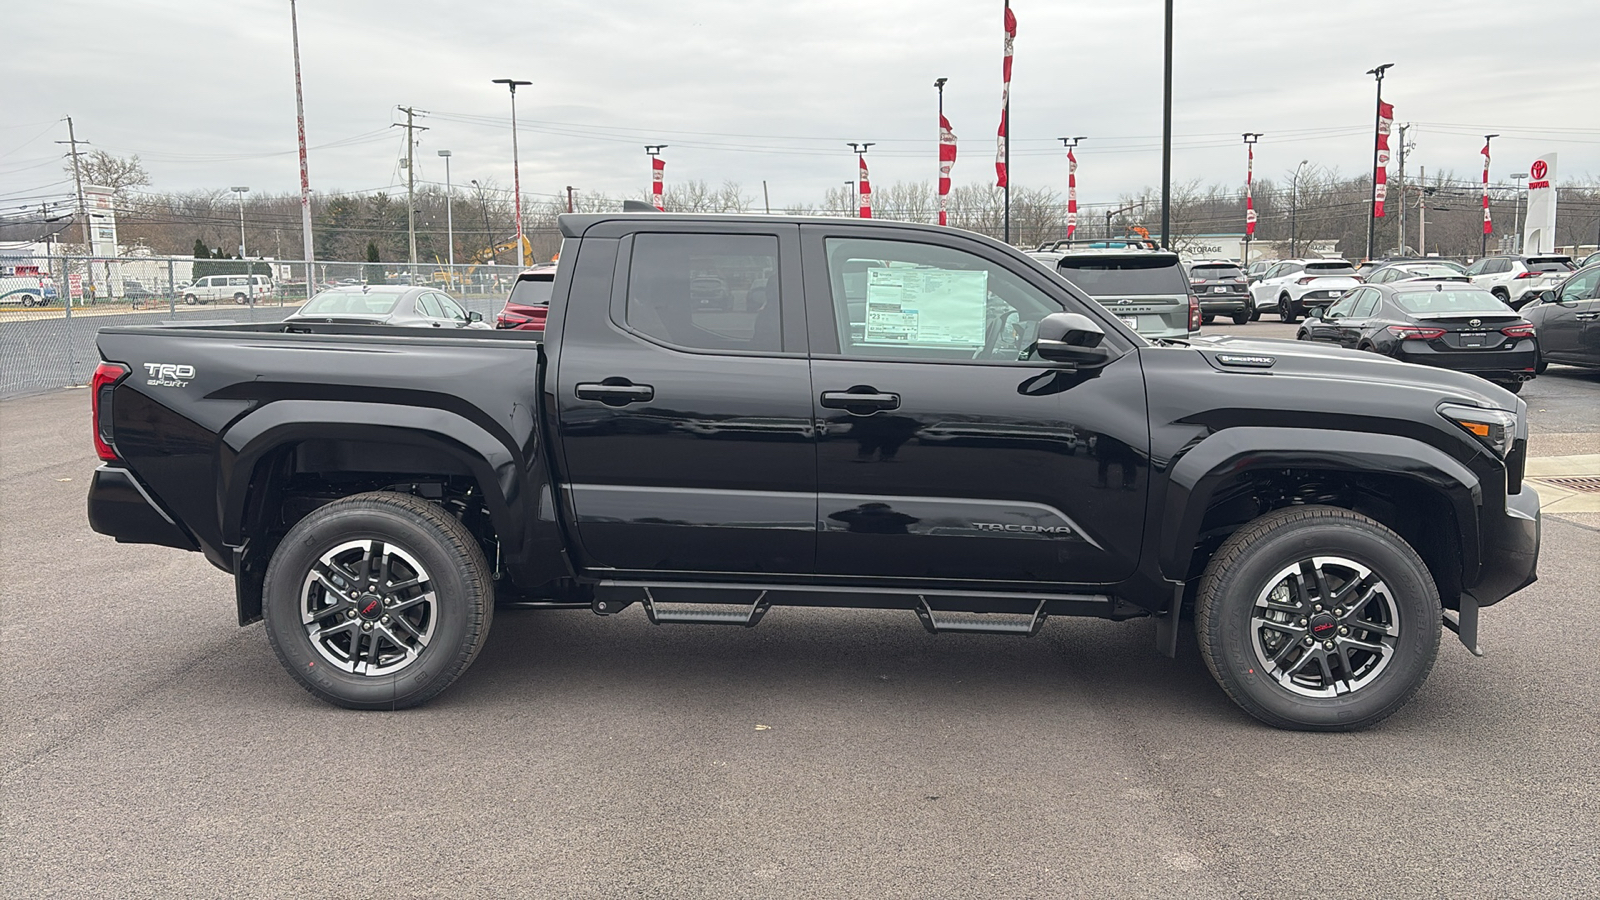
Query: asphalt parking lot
{"type": "Point", "coordinates": [154, 749]}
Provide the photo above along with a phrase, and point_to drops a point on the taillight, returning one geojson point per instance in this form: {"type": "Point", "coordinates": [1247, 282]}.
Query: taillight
{"type": "Point", "coordinates": [1194, 313]}
{"type": "Point", "coordinates": [1197, 281]}
{"type": "Point", "coordinates": [1518, 331]}
{"type": "Point", "coordinates": [1307, 280]}
{"type": "Point", "coordinates": [106, 377]}
{"type": "Point", "coordinates": [1526, 275]}
{"type": "Point", "coordinates": [1414, 333]}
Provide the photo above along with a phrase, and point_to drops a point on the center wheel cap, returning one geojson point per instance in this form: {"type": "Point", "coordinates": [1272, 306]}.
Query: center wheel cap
{"type": "Point", "coordinates": [369, 606]}
{"type": "Point", "coordinates": [1323, 626]}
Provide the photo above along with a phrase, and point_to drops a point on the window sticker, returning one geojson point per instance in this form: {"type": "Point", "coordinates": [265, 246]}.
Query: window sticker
{"type": "Point", "coordinates": [926, 307]}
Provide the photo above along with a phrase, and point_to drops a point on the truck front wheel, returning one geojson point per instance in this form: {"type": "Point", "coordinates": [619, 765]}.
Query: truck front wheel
{"type": "Point", "coordinates": [378, 601]}
{"type": "Point", "coordinates": [1318, 619]}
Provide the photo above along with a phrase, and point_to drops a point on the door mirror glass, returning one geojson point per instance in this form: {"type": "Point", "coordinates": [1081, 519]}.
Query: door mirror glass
{"type": "Point", "coordinates": [1071, 338]}
{"type": "Point", "coordinates": [474, 316]}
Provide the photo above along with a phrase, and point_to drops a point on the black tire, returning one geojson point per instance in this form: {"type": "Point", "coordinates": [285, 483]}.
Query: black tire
{"type": "Point", "coordinates": [1206, 319]}
{"type": "Point", "coordinates": [27, 300]}
{"type": "Point", "coordinates": [1246, 575]}
{"type": "Point", "coordinates": [415, 536]}
{"type": "Point", "coordinates": [1505, 297]}
{"type": "Point", "coordinates": [1286, 310]}
{"type": "Point", "coordinates": [1539, 364]}
{"type": "Point", "coordinates": [1245, 316]}
{"type": "Point", "coordinates": [1255, 314]}
{"type": "Point", "coordinates": [241, 299]}
{"type": "Point", "coordinates": [1303, 335]}
{"type": "Point", "coordinates": [190, 299]}
{"type": "Point", "coordinates": [1514, 387]}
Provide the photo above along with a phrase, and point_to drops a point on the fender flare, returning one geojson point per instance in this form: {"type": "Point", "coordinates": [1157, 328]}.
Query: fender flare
{"type": "Point", "coordinates": [1196, 476]}
{"type": "Point", "coordinates": [496, 468]}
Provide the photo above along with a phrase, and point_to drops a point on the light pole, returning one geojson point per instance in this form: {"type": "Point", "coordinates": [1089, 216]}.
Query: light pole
{"type": "Point", "coordinates": [860, 151]}
{"type": "Point", "coordinates": [241, 191]}
{"type": "Point", "coordinates": [1250, 138]}
{"type": "Point", "coordinates": [1071, 144]}
{"type": "Point", "coordinates": [944, 166]}
{"type": "Point", "coordinates": [1377, 123]}
{"type": "Point", "coordinates": [488, 235]}
{"type": "Point", "coordinates": [449, 215]}
{"type": "Point", "coordinates": [1516, 234]}
{"type": "Point", "coordinates": [516, 172]}
{"type": "Point", "coordinates": [850, 188]}
{"type": "Point", "coordinates": [1294, 210]}
{"type": "Point", "coordinates": [657, 173]}
{"type": "Point", "coordinates": [1483, 241]}
{"type": "Point", "coordinates": [1166, 139]}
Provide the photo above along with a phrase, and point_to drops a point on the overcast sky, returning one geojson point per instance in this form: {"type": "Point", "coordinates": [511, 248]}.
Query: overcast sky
{"type": "Point", "coordinates": [747, 90]}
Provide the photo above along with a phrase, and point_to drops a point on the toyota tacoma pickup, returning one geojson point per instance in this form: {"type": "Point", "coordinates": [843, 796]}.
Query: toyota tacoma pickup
{"type": "Point", "coordinates": [868, 414]}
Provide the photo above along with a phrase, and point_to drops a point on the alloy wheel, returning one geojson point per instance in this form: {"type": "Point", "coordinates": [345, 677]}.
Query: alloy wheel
{"type": "Point", "coordinates": [368, 607]}
{"type": "Point", "coordinates": [1325, 627]}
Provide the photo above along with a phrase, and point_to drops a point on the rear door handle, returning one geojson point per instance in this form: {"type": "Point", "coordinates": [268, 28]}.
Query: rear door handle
{"type": "Point", "coordinates": [1589, 315]}
{"type": "Point", "coordinates": [860, 399]}
{"type": "Point", "coordinates": [616, 392]}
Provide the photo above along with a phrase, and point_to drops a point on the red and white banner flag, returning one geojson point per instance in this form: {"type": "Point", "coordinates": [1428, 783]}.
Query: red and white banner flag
{"type": "Point", "coordinates": [1005, 99]}
{"type": "Point", "coordinates": [1380, 176]}
{"type": "Point", "coordinates": [1249, 192]}
{"type": "Point", "coordinates": [947, 159]}
{"type": "Point", "coordinates": [1488, 224]}
{"type": "Point", "coordinates": [866, 189]}
{"type": "Point", "coordinates": [658, 167]}
{"type": "Point", "coordinates": [1072, 193]}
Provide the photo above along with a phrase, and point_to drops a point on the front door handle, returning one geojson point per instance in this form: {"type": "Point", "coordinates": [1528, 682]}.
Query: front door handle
{"type": "Point", "coordinates": [1588, 315]}
{"type": "Point", "coordinates": [860, 399]}
{"type": "Point", "coordinates": [616, 392]}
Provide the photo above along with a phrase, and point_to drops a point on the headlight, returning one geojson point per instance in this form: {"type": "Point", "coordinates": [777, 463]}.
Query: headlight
{"type": "Point", "coordinates": [1494, 428]}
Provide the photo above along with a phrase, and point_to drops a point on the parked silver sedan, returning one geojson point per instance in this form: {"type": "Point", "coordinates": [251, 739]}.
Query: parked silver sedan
{"type": "Point", "coordinates": [378, 304]}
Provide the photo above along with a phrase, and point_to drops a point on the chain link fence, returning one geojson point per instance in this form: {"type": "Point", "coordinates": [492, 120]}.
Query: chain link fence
{"type": "Point", "coordinates": [51, 308]}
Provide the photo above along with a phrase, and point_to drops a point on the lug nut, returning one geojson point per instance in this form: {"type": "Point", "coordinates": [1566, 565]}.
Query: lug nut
{"type": "Point", "coordinates": [1318, 607]}
{"type": "Point", "coordinates": [1309, 640]}
{"type": "Point", "coordinates": [350, 613]}
{"type": "Point", "coordinates": [384, 620]}
{"type": "Point", "coordinates": [1303, 621]}
{"type": "Point", "coordinates": [1327, 645]}
{"type": "Point", "coordinates": [1339, 611]}
{"type": "Point", "coordinates": [1343, 630]}
{"type": "Point", "coordinates": [366, 626]}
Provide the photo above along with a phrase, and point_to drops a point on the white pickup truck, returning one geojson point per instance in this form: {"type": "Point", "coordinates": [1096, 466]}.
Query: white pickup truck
{"type": "Point", "coordinates": [1296, 286]}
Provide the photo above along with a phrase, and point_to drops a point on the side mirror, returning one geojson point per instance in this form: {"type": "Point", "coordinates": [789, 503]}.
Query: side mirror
{"type": "Point", "coordinates": [474, 316]}
{"type": "Point", "coordinates": [1071, 338]}
{"type": "Point", "coordinates": [1548, 297]}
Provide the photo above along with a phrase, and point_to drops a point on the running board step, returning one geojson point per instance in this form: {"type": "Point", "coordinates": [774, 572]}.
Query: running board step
{"type": "Point", "coordinates": [937, 622]}
{"type": "Point", "coordinates": [679, 613]}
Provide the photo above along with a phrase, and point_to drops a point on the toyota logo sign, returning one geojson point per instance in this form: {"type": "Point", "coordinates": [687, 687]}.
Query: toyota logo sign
{"type": "Point", "coordinates": [1540, 169]}
{"type": "Point", "coordinates": [1474, 323]}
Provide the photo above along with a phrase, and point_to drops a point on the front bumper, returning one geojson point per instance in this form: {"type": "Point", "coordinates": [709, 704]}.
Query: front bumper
{"type": "Point", "coordinates": [120, 507]}
{"type": "Point", "coordinates": [1510, 549]}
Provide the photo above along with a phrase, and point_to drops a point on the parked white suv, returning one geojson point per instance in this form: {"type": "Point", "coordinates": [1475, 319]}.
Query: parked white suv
{"type": "Point", "coordinates": [240, 289]}
{"type": "Point", "coordinates": [1296, 286]}
{"type": "Point", "coordinates": [1517, 280]}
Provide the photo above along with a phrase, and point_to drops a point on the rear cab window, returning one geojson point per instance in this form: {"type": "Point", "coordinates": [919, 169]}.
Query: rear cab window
{"type": "Point", "coordinates": [532, 289]}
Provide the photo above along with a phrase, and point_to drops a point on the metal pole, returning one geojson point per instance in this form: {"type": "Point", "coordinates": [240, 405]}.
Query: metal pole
{"type": "Point", "coordinates": [1403, 189]}
{"type": "Point", "coordinates": [449, 216]}
{"type": "Point", "coordinates": [516, 166]}
{"type": "Point", "coordinates": [1377, 116]}
{"type": "Point", "coordinates": [570, 189]}
{"type": "Point", "coordinates": [240, 192]}
{"type": "Point", "coordinates": [1166, 139]}
{"type": "Point", "coordinates": [305, 178]}
{"type": "Point", "coordinates": [1250, 138]}
{"type": "Point", "coordinates": [1005, 114]}
{"type": "Point", "coordinates": [83, 221]}
{"type": "Point", "coordinates": [1483, 239]}
{"type": "Point", "coordinates": [766, 199]}
{"type": "Point", "coordinates": [1422, 211]}
{"type": "Point", "coordinates": [1516, 233]}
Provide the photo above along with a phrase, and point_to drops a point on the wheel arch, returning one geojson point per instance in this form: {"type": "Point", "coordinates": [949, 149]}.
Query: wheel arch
{"type": "Point", "coordinates": [1237, 474]}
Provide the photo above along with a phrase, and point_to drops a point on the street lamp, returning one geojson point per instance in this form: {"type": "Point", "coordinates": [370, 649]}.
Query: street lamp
{"type": "Point", "coordinates": [449, 215]}
{"type": "Point", "coordinates": [1071, 144]}
{"type": "Point", "coordinates": [488, 235]}
{"type": "Point", "coordinates": [241, 191]}
{"type": "Point", "coordinates": [516, 172]}
{"type": "Point", "coordinates": [1250, 138]}
{"type": "Point", "coordinates": [860, 151]}
{"type": "Point", "coordinates": [1516, 233]}
{"type": "Point", "coordinates": [1377, 123]}
{"type": "Point", "coordinates": [1483, 241]}
{"type": "Point", "coordinates": [1294, 209]}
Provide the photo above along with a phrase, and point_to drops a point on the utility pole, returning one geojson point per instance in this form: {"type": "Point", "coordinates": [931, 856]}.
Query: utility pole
{"type": "Point", "coordinates": [1422, 210]}
{"type": "Point", "coordinates": [766, 199]}
{"type": "Point", "coordinates": [83, 214]}
{"type": "Point", "coordinates": [1403, 188]}
{"type": "Point", "coordinates": [570, 189]}
{"type": "Point", "coordinates": [411, 181]}
{"type": "Point", "coordinates": [1516, 233]}
{"type": "Point", "coordinates": [449, 216]}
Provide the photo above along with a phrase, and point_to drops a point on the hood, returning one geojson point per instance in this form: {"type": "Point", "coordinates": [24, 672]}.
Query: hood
{"type": "Point", "coordinates": [1346, 370]}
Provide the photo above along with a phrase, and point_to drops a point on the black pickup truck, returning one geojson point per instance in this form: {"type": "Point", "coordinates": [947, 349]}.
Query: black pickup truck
{"type": "Point", "coordinates": [726, 414]}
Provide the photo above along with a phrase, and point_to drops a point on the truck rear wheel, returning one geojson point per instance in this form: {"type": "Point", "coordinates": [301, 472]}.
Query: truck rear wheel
{"type": "Point", "coordinates": [1317, 618]}
{"type": "Point", "coordinates": [378, 601]}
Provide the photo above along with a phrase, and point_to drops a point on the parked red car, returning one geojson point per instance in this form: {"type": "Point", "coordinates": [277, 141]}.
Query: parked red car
{"type": "Point", "coordinates": [529, 302]}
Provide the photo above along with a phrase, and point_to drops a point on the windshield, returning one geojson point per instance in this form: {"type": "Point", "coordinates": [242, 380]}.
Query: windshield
{"type": "Point", "coordinates": [1431, 303]}
{"type": "Point", "coordinates": [1125, 276]}
{"type": "Point", "coordinates": [351, 303]}
{"type": "Point", "coordinates": [1215, 273]}
{"type": "Point", "coordinates": [532, 290]}
{"type": "Point", "coordinates": [1431, 272]}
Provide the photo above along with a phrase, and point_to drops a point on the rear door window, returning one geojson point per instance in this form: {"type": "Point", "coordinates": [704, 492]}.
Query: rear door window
{"type": "Point", "coordinates": [1130, 276]}
{"type": "Point", "coordinates": [429, 306]}
{"type": "Point", "coordinates": [1365, 304]}
{"type": "Point", "coordinates": [714, 292]}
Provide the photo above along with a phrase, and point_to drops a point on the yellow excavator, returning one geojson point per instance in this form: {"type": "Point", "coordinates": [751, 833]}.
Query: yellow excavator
{"type": "Point", "coordinates": [486, 256]}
